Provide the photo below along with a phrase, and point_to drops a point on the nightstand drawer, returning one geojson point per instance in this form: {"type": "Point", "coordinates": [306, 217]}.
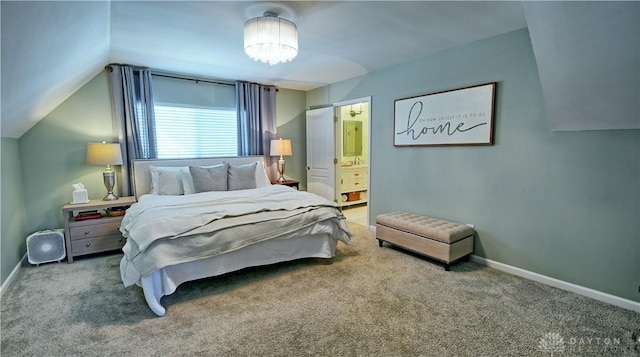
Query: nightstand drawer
{"type": "Point", "coordinates": [95, 230]}
{"type": "Point", "coordinates": [98, 244]}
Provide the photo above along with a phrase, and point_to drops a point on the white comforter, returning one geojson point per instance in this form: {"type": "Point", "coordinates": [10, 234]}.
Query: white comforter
{"type": "Point", "coordinates": [168, 230]}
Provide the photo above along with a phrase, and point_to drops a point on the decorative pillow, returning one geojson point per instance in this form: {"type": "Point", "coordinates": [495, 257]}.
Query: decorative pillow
{"type": "Point", "coordinates": [207, 179]}
{"type": "Point", "coordinates": [163, 180]}
{"type": "Point", "coordinates": [187, 180]}
{"type": "Point", "coordinates": [242, 177]}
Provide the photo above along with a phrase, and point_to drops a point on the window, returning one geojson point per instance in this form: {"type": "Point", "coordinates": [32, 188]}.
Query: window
{"type": "Point", "coordinates": [185, 131]}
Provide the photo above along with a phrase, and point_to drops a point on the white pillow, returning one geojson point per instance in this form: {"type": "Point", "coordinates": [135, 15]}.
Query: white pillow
{"type": "Point", "coordinates": [187, 183]}
{"type": "Point", "coordinates": [167, 180]}
{"type": "Point", "coordinates": [262, 179]}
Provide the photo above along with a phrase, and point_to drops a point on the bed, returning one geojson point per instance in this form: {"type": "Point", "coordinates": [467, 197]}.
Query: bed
{"type": "Point", "coordinates": [185, 225]}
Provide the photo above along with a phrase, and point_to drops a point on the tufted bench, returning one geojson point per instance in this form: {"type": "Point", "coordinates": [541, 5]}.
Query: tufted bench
{"type": "Point", "coordinates": [435, 238]}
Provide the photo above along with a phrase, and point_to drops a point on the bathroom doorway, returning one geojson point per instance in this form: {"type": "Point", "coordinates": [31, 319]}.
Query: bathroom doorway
{"type": "Point", "coordinates": [353, 158]}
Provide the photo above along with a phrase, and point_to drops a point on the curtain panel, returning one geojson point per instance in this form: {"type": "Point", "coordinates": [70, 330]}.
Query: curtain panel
{"type": "Point", "coordinates": [133, 117]}
{"type": "Point", "coordinates": [256, 107]}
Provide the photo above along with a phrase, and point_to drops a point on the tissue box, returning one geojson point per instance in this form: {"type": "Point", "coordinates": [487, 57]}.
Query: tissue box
{"type": "Point", "coordinates": [80, 196]}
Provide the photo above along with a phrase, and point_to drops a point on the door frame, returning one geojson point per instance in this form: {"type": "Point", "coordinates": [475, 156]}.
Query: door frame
{"type": "Point", "coordinates": [338, 149]}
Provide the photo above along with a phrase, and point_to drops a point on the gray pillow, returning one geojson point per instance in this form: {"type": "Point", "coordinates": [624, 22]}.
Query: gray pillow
{"type": "Point", "coordinates": [207, 179]}
{"type": "Point", "coordinates": [242, 177]}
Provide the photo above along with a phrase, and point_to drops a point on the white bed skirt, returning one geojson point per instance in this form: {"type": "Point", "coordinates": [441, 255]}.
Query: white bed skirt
{"type": "Point", "coordinates": [166, 280]}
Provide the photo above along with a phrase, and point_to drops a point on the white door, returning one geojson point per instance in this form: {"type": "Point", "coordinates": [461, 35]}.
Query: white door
{"type": "Point", "coordinates": [321, 170]}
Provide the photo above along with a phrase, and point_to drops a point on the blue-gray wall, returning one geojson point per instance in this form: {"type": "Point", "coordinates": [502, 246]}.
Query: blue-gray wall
{"type": "Point", "coordinates": [291, 122]}
{"type": "Point", "coordinates": [186, 92]}
{"type": "Point", "coordinates": [53, 153]}
{"type": "Point", "coordinates": [13, 225]}
{"type": "Point", "coordinates": [561, 204]}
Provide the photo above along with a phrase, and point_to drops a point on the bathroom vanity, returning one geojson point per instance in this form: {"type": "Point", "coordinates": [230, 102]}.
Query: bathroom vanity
{"type": "Point", "coordinates": [353, 184]}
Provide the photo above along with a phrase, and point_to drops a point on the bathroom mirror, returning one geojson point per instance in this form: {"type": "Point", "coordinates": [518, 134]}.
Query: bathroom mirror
{"type": "Point", "coordinates": [352, 138]}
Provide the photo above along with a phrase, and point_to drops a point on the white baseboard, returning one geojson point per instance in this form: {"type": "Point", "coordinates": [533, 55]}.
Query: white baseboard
{"type": "Point", "coordinates": [594, 294]}
{"type": "Point", "coordinates": [12, 276]}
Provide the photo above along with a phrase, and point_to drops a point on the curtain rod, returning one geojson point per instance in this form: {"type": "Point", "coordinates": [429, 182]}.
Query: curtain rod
{"type": "Point", "coordinates": [190, 79]}
{"type": "Point", "coordinates": [168, 75]}
{"type": "Point", "coordinates": [266, 88]}
{"type": "Point", "coordinates": [174, 76]}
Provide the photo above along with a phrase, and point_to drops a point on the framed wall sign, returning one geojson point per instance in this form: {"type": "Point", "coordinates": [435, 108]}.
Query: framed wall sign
{"type": "Point", "coordinates": [455, 117]}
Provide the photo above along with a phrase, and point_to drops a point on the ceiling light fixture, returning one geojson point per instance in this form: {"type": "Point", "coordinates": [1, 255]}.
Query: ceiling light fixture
{"type": "Point", "coordinates": [270, 39]}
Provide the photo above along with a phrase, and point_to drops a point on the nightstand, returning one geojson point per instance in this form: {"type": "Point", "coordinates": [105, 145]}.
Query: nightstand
{"type": "Point", "coordinates": [93, 235]}
{"type": "Point", "coordinates": [291, 183]}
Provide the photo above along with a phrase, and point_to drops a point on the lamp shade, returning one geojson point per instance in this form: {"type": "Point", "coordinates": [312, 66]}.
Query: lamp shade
{"type": "Point", "coordinates": [281, 147]}
{"type": "Point", "coordinates": [270, 39]}
{"type": "Point", "coordinates": [104, 154]}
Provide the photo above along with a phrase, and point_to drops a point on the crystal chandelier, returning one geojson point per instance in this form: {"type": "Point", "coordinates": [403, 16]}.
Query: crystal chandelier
{"type": "Point", "coordinates": [270, 39]}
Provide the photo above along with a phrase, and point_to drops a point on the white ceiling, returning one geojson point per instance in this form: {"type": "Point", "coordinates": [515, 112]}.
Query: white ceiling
{"type": "Point", "coordinates": [50, 49]}
{"type": "Point", "coordinates": [337, 40]}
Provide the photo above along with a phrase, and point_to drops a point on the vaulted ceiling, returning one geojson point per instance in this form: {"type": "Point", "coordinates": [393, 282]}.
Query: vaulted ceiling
{"type": "Point", "coordinates": [50, 49]}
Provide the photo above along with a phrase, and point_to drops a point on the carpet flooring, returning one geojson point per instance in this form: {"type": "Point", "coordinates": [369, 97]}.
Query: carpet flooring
{"type": "Point", "coordinates": [367, 301]}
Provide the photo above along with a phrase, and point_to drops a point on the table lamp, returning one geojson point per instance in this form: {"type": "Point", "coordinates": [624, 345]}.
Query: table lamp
{"type": "Point", "coordinates": [105, 154]}
{"type": "Point", "coordinates": [281, 148]}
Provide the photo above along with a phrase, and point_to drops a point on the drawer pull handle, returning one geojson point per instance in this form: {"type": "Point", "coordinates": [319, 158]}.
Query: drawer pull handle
{"type": "Point", "coordinates": [356, 183]}
{"type": "Point", "coordinates": [88, 244]}
{"type": "Point", "coordinates": [86, 232]}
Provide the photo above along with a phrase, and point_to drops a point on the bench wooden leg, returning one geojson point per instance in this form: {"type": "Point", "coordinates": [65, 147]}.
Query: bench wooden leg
{"type": "Point", "coordinates": [379, 242]}
{"type": "Point", "coordinates": [447, 267]}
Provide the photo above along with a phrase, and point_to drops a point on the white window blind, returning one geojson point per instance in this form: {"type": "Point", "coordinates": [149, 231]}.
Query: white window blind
{"type": "Point", "coordinates": [190, 131]}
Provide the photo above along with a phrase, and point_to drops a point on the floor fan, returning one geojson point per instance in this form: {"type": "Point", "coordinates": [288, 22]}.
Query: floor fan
{"type": "Point", "coordinates": [46, 246]}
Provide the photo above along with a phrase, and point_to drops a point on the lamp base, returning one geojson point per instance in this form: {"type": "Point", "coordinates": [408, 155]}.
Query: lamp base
{"type": "Point", "coordinates": [109, 182]}
{"type": "Point", "coordinates": [110, 197]}
{"type": "Point", "coordinates": [281, 170]}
